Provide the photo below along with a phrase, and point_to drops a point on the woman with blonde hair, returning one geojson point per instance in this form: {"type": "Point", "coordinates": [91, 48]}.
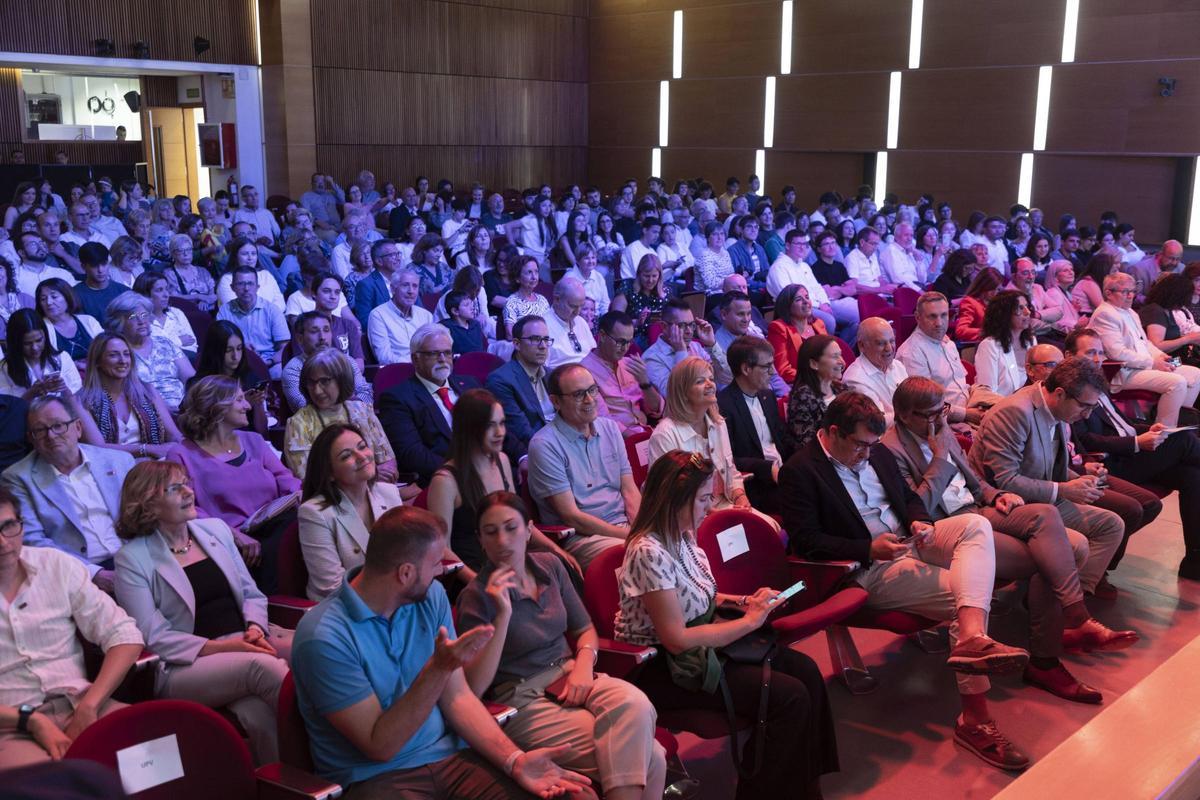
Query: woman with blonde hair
{"type": "Point", "coordinates": [129, 414]}
{"type": "Point", "coordinates": [184, 584]}
{"type": "Point", "coordinates": [693, 423]}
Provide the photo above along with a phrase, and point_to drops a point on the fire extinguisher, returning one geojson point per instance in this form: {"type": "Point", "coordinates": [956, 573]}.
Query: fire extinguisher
{"type": "Point", "coordinates": [231, 185]}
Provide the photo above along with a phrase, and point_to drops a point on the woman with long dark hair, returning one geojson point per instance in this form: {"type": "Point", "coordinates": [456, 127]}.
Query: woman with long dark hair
{"type": "Point", "coordinates": [31, 366]}
{"type": "Point", "coordinates": [667, 599]}
{"type": "Point", "coordinates": [969, 325]}
{"type": "Point", "coordinates": [819, 368]}
{"type": "Point", "coordinates": [70, 332]}
{"type": "Point", "coordinates": [224, 353]}
{"type": "Point", "coordinates": [1000, 358]}
{"type": "Point", "coordinates": [792, 326]}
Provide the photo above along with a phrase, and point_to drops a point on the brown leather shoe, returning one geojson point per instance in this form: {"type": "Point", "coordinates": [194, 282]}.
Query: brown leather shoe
{"type": "Point", "coordinates": [1104, 590]}
{"type": "Point", "coordinates": [987, 742]}
{"type": "Point", "coordinates": [982, 655]}
{"type": "Point", "coordinates": [1094, 635]}
{"type": "Point", "coordinates": [1058, 681]}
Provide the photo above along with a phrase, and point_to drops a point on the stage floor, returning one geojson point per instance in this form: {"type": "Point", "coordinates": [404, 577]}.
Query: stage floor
{"type": "Point", "coordinates": [897, 743]}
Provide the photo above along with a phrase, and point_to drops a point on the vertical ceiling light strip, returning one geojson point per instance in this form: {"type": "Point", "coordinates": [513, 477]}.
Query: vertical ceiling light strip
{"type": "Point", "coordinates": [785, 39]}
{"type": "Point", "coordinates": [914, 34]}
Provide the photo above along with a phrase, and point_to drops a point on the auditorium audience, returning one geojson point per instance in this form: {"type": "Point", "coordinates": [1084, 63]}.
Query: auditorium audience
{"type": "Point", "coordinates": [166, 320]}
{"type": "Point", "coordinates": [244, 256]}
{"type": "Point", "coordinates": [97, 288]}
{"type": "Point", "coordinates": [183, 581]}
{"type": "Point", "coordinates": [1143, 365]}
{"type": "Point", "coordinates": [264, 329]}
{"type": "Point", "coordinates": [579, 471]}
{"type": "Point", "coordinates": [189, 281]}
{"type": "Point", "coordinates": [1168, 324]}
{"type": "Point", "coordinates": [849, 501]}
{"type": "Point", "coordinates": [160, 362]}
{"type": "Point", "coordinates": [327, 385]}
{"type": "Point", "coordinates": [223, 353]}
{"type": "Point", "coordinates": [626, 395]}
{"type": "Point", "coordinates": [48, 700]}
{"type": "Point", "coordinates": [667, 599]}
{"type": "Point", "coordinates": [76, 515]}
{"type": "Point", "coordinates": [70, 333]}
{"type": "Point", "coordinates": [751, 412]}
{"type": "Point", "coordinates": [313, 333]}
{"type": "Point", "coordinates": [32, 368]}
{"type": "Point", "coordinates": [129, 414]}
{"type": "Point", "coordinates": [1060, 277]}
{"type": "Point", "coordinates": [644, 299]}
{"type": "Point", "coordinates": [526, 300]}
{"type": "Point", "coordinates": [1149, 269]}
{"type": "Point", "coordinates": [541, 660]}
{"type": "Point", "coordinates": [1088, 294]}
{"type": "Point", "coordinates": [342, 498]}
{"type": "Point", "coordinates": [416, 413]}
{"type": "Point", "coordinates": [684, 336]}
{"type": "Point", "coordinates": [1000, 357]}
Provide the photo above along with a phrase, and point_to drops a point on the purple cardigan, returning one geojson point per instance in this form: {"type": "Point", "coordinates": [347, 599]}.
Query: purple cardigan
{"type": "Point", "coordinates": [232, 493]}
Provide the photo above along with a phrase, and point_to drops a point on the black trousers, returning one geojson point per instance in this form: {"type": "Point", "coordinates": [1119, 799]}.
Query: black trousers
{"type": "Point", "coordinates": [1174, 465]}
{"type": "Point", "coordinates": [800, 743]}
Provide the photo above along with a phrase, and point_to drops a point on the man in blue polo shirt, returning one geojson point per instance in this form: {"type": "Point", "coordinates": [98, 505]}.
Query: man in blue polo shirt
{"type": "Point", "coordinates": [262, 324]}
{"type": "Point", "coordinates": [381, 688]}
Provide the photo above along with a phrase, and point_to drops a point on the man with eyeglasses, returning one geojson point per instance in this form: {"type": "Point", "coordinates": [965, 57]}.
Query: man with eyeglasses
{"type": "Point", "coordinates": [1021, 447]}
{"type": "Point", "coordinates": [683, 335]}
{"type": "Point", "coordinates": [1142, 454]}
{"type": "Point", "coordinates": [34, 266]}
{"type": "Point", "coordinates": [844, 499]}
{"type": "Point", "coordinates": [520, 385]}
{"type": "Point", "coordinates": [572, 337]}
{"type": "Point", "coordinates": [579, 472]}
{"type": "Point", "coordinates": [390, 326]}
{"type": "Point", "coordinates": [1151, 268]}
{"type": "Point", "coordinates": [627, 396]}
{"type": "Point", "coordinates": [70, 493]}
{"type": "Point", "coordinates": [756, 432]}
{"type": "Point", "coordinates": [416, 413]}
{"type": "Point", "coordinates": [375, 289]}
{"type": "Point", "coordinates": [1040, 361]}
{"type": "Point", "coordinates": [1024, 280]}
{"type": "Point", "coordinates": [1035, 545]}
{"type": "Point", "coordinates": [1143, 366]}
{"type": "Point", "coordinates": [48, 606]}
{"type": "Point", "coordinates": [82, 231]}
{"type": "Point", "coordinates": [262, 324]}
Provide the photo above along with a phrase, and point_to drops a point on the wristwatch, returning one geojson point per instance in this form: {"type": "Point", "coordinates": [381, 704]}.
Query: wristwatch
{"type": "Point", "coordinates": [24, 712]}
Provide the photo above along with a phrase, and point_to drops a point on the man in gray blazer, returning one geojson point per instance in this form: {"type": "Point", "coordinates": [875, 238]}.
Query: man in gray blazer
{"type": "Point", "coordinates": [70, 493]}
{"type": "Point", "coordinates": [1036, 546]}
{"type": "Point", "coordinates": [1021, 447]}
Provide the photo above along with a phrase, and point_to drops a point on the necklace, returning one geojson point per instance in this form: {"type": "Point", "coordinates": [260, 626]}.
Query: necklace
{"type": "Point", "coordinates": [182, 550]}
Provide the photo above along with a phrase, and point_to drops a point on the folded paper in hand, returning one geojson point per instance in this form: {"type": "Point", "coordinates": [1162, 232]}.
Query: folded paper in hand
{"type": "Point", "coordinates": [271, 510]}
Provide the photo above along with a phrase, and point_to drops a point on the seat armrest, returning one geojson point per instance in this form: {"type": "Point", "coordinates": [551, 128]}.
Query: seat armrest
{"type": "Point", "coordinates": [278, 781]}
{"type": "Point", "coordinates": [621, 659]}
{"type": "Point", "coordinates": [823, 577]}
{"type": "Point", "coordinates": [286, 611]}
{"type": "Point", "coordinates": [500, 712]}
{"type": "Point", "coordinates": [138, 684]}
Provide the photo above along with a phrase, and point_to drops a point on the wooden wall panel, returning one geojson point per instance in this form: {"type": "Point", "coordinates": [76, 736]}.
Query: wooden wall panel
{"type": "Point", "coordinates": [606, 8]}
{"type": "Point", "coordinates": [1116, 108]}
{"type": "Point", "coordinates": [726, 112]}
{"type": "Point", "coordinates": [831, 112]}
{"type": "Point", "coordinates": [448, 38]}
{"type": "Point", "coordinates": [1119, 30]}
{"type": "Point", "coordinates": [630, 48]}
{"type": "Point", "coordinates": [623, 114]}
{"type": "Point", "coordinates": [68, 27]}
{"type": "Point", "coordinates": [608, 167]}
{"type": "Point", "coordinates": [968, 181]}
{"type": "Point", "coordinates": [77, 152]}
{"type": "Point", "coordinates": [495, 167]}
{"type": "Point", "coordinates": [12, 126]}
{"type": "Point", "coordinates": [731, 40]}
{"type": "Point", "coordinates": [812, 174]}
{"type": "Point", "coordinates": [1139, 189]}
{"type": "Point", "coordinates": [985, 33]}
{"type": "Point", "coordinates": [714, 164]}
{"type": "Point", "coordinates": [856, 36]}
{"type": "Point", "coordinates": [968, 109]}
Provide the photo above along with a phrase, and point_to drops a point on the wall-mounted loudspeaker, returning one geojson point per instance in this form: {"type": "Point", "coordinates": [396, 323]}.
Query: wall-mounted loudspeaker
{"type": "Point", "coordinates": [134, 101]}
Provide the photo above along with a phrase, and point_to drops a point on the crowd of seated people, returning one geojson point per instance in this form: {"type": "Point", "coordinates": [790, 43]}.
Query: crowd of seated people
{"type": "Point", "coordinates": [396, 380]}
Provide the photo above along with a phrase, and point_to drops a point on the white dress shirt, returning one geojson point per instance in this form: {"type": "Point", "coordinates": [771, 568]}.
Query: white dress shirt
{"type": "Point", "coordinates": [938, 361]}
{"type": "Point", "coordinates": [770, 451]}
{"type": "Point", "coordinates": [433, 390]}
{"type": "Point", "coordinates": [997, 253]}
{"type": "Point", "coordinates": [389, 331]}
{"type": "Point", "coordinates": [900, 267]}
{"type": "Point", "coordinates": [564, 351]}
{"type": "Point", "coordinates": [632, 256]}
{"type": "Point", "coordinates": [880, 386]}
{"type": "Point", "coordinates": [27, 279]}
{"type": "Point", "coordinates": [862, 269]}
{"type": "Point", "coordinates": [40, 656]}
{"type": "Point", "coordinates": [95, 522]}
{"type": "Point", "coordinates": [866, 492]}
{"type": "Point", "coordinates": [594, 286]}
{"type": "Point", "coordinates": [784, 272]}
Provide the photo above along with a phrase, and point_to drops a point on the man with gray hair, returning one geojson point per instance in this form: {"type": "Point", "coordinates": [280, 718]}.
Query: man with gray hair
{"type": "Point", "coordinates": [1143, 366]}
{"type": "Point", "coordinates": [416, 413]}
{"type": "Point", "coordinates": [1151, 268]}
{"type": "Point", "coordinates": [355, 226]}
{"type": "Point", "coordinates": [572, 338]}
{"type": "Point", "coordinates": [877, 373]}
{"type": "Point", "coordinates": [898, 259]}
{"type": "Point", "coordinates": [390, 326]}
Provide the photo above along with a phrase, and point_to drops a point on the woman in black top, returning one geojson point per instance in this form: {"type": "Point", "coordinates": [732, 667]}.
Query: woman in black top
{"type": "Point", "coordinates": [956, 274]}
{"type": "Point", "coordinates": [1169, 324]}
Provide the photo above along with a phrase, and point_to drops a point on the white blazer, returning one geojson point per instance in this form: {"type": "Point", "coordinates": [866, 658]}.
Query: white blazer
{"type": "Point", "coordinates": [333, 538]}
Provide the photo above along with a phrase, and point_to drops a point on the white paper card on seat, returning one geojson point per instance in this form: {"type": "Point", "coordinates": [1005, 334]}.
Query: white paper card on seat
{"type": "Point", "coordinates": [642, 449]}
{"type": "Point", "coordinates": [149, 764]}
{"type": "Point", "coordinates": [733, 543]}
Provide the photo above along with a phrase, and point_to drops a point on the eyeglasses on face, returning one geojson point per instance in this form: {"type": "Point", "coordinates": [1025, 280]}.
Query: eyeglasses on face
{"type": "Point", "coordinates": [578, 396]}
{"type": "Point", "coordinates": [436, 355]}
{"type": "Point", "coordinates": [10, 529]}
{"type": "Point", "coordinates": [944, 408]}
{"type": "Point", "coordinates": [55, 429]}
{"type": "Point", "coordinates": [176, 488]}
{"type": "Point", "coordinates": [538, 341]}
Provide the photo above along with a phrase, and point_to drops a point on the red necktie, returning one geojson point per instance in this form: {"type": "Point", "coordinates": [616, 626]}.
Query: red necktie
{"type": "Point", "coordinates": [444, 393]}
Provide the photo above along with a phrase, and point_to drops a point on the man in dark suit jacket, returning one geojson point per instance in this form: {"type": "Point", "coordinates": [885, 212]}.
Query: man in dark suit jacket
{"type": "Point", "coordinates": [520, 385]}
{"type": "Point", "coordinates": [844, 498]}
{"type": "Point", "coordinates": [403, 214]}
{"type": "Point", "coordinates": [416, 413]}
{"type": "Point", "coordinates": [375, 289]}
{"type": "Point", "coordinates": [752, 416]}
{"type": "Point", "coordinates": [1141, 454]}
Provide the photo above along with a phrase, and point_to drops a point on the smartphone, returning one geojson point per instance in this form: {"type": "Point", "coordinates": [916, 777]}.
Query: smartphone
{"type": "Point", "coordinates": [788, 593]}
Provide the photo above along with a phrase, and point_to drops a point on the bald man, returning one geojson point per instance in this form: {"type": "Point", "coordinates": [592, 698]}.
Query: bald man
{"type": "Point", "coordinates": [1040, 361]}
{"type": "Point", "coordinates": [1146, 271]}
{"type": "Point", "coordinates": [877, 373]}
